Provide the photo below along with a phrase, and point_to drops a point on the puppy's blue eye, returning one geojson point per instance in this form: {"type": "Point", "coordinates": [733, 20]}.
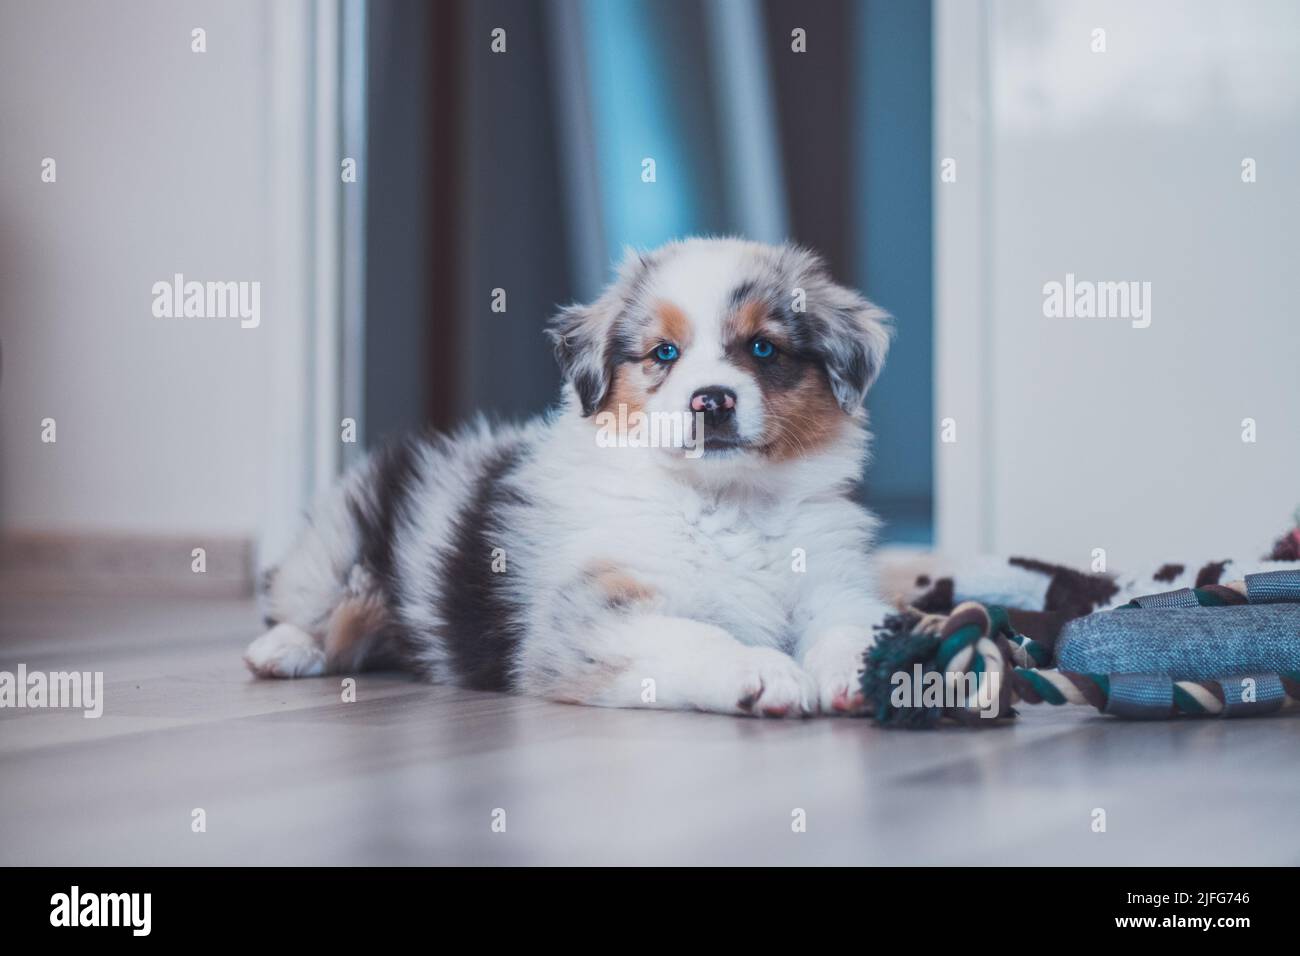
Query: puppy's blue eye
{"type": "Point", "coordinates": [762, 348]}
{"type": "Point", "coordinates": [667, 352]}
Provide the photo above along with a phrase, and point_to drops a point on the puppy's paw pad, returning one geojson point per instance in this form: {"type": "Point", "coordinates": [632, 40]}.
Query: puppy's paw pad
{"type": "Point", "coordinates": [775, 686]}
{"type": "Point", "coordinates": [847, 702]}
{"type": "Point", "coordinates": [285, 651]}
{"type": "Point", "coordinates": [835, 663]}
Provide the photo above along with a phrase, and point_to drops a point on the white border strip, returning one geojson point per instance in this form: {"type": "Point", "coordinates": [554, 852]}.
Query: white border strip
{"type": "Point", "coordinates": [327, 247]}
{"type": "Point", "coordinates": [577, 144]}
{"type": "Point", "coordinates": [288, 289]}
{"type": "Point", "coordinates": [749, 140]}
{"type": "Point", "coordinates": [964, 520]}
{"type": "Point", "coordinates": [305, 321]}
{"type": "Point", "coordinates": [352, 142]}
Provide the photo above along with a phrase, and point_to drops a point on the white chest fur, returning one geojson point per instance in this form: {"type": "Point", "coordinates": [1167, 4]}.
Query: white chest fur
{"type": "Point", "coordinates": [723, 559]}
{"type": "Point", "coordinates": [738, 564]}
{"type": "Point", "coordinates": [732, 553]}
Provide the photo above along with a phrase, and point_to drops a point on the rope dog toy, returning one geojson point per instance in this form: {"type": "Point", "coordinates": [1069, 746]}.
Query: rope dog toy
{"type": "Point", "coordinates": [972, 666]}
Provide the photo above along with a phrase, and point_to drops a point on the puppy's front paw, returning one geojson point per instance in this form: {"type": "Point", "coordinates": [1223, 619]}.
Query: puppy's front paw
{"type": "Point", "coordinates": [835, 662]}
{"type": "Point", "coordinates": [768, 683]}
{"type": "Point", "coordinates": [285, 651]}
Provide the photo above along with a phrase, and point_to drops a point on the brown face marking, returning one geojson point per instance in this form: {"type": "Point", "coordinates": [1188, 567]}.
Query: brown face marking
{"type": "Point", "coordinates": [618, 586]}
{"type": "Point", "coordinates": [802, 419]}
{"type": "Point", "coordinates": [751, 320]}
{"type": "Point", "coordinates": [669, 324]}
{"type": "Point", "coordinates": [800, 411]}
{"type": "Point", "coordinates": [747, 322]}
{"type": "Point", "coordinates": [628, 387]}
{"type": "Point", "coordinates": [635, 379]}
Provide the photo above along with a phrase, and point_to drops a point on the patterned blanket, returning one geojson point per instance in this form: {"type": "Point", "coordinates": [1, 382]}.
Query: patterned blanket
{"type": "Point", "coordinates": [1041, 596]}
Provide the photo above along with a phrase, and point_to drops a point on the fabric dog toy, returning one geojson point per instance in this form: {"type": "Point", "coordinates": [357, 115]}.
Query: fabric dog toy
{"type": "Point", "coordinates": [1220, 650]}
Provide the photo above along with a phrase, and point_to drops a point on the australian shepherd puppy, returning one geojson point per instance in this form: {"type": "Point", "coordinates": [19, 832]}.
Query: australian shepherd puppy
{"type": "Point", "coordinates": [577, 558]}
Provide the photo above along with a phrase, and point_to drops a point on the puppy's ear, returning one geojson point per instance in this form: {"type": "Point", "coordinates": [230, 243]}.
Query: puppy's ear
{"type": "Point", "coordinates": [580, 335]}
{"type": "Point", "coordinates": [583, 335]}
{"type": "Point", "coordinates": [849, 334]}
{"type": "Point", "coordinates": [855, 336]}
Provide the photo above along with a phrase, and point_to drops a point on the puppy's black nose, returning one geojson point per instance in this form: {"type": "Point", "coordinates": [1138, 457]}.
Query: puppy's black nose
{"type": "Point", "coordinates": [717, 403]}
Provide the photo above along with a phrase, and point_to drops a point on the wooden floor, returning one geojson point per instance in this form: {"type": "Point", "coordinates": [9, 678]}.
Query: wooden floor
{"type": "Point", "coordinates": [412, 774]}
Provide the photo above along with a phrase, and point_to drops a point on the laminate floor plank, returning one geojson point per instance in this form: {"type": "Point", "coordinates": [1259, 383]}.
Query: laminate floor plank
{"type": "Point", "coordinates": [287, 772]}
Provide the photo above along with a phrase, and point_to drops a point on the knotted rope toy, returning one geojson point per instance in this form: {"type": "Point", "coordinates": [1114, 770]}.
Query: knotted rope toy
{"type": "Point", "coordinates": [973, 667]}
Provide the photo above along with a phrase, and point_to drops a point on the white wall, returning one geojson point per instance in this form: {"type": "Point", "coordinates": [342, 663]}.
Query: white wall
{"type": "Point", "coordinates": [162, 167]}
{"type": "Point", "coordinates": [1075, 434]}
